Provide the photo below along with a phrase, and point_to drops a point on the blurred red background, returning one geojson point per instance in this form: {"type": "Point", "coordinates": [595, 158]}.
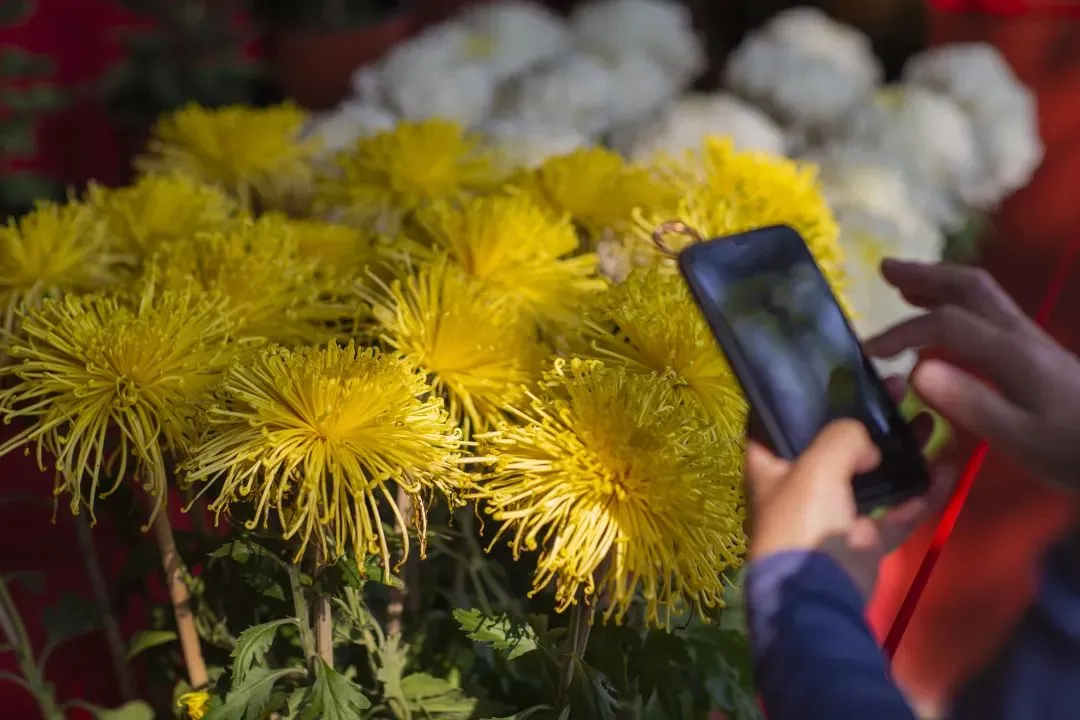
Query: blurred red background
{"type": "Point", "coordinates": [986, 574]}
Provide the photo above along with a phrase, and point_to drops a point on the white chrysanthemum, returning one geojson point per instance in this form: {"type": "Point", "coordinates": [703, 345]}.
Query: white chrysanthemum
{"type": "Point", "coordinates": [518, 145]}
{"type": "Point", "coordinates": [641, 88]}
{"type": "Point", "coordinates": [1002, 112]}
{"type": "Point", "coordinates": [692, 118]}
{"type": "Point", "coordinates": [574, 93]}
{"type": "Point", "coordinates": [513, 36]}
{"type": "Point", "coordinates": [341, 127]}
{"type": "Point", "coordinates": [661, 29]}
{"type": "Point", "coordinates": [435, 75]}
{"type": "Point", "coordinates": [804, 68]}
{"type": "Point", "coordinates": [929, 137]}
{"type": "Point", "coordinates": [878, 218]}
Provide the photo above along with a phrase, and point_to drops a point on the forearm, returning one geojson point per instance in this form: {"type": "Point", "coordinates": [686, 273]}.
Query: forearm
{"type": "Point", "coordinates": [814, 655]}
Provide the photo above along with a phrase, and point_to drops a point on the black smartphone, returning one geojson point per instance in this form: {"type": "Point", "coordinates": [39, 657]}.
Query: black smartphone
{"type": "Point", "coordinates": [799, 362]}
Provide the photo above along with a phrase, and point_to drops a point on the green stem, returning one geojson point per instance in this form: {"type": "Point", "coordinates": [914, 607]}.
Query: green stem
{"type": "Point", "coordinates": [581, 618]}
{"type": "Point", "coordinates": [303, 613]}
{"type": "Point", "coordinates": [14, 630]}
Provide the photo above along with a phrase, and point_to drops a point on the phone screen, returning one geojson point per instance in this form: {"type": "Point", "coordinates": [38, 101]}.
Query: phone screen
{"type": "Point", "coordinates": [795, 353]}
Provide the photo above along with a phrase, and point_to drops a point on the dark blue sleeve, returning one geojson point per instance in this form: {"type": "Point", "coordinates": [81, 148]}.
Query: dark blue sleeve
{"type": "Point", "coordinates": [815, 658]}
{"type": "Point", "coordinates": [1035, 675]}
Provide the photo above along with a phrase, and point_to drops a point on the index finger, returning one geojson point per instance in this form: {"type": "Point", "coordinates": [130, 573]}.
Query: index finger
{"type": "Point", "coordinates": [933, 285]}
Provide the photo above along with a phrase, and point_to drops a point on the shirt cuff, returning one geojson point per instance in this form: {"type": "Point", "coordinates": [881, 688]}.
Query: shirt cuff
{"type": "Point", "coordinates": [773, 583]}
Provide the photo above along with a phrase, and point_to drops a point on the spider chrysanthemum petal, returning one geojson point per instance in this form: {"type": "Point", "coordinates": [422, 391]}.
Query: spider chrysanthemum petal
{"type": "Point", "coordinates": [616, 489]}
{"type": "Point", "coordinates": [319, 436]}
{"type": "Point", "coordinates": [110, 384]}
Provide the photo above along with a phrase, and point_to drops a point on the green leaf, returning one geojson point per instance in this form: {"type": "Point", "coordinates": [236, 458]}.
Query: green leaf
{"type": "Point", "coordinates": [592, 694]}
{"type": "Point", "coordinates": [430, 696]}
{"type": "Point", "coordinates": [14, 11]}
{"type": "Point", "coordinates": [252, 646]}
{"type": "Point", "coordinates": [661, 666]}
{"type": "Point", "coordinates": [36, 99]}
{"type": "Point", "coordinates": [242, 551]}
{"type": "Point", "coordinates": [332, 697]}
{"type": "Point", "coordinates": [18, 137]}
{"type": "Point", "coordinates": [250, 700]}
{"type": "Point", "coordinates": [498, 631]}
{"type": "Point", "coordinates": [18, 63]}
{"type": "Point", "coordinates": [69, 618]}
{"type": "Point", "coordinates": [134, 710]}
{"type": "Point", "coordinates": [147, 639]}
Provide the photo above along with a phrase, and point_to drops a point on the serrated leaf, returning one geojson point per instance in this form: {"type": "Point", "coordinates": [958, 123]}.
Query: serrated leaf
{"type": "Point", "coordinates": [249, 700]}
{"type": "Point", "coordinates": [333, 696]}
{"type": "Point", "coordinates": [434, 697]}
{"type": "Point", "coordinates": [498, 631]}
{"type": "Point", "coordinates": [661, 671]}
{"type": "Point", "coordinates": [134, 710]}
{"type": "Point", "coordinates": [252, 646]}
{"type": "Point", "coordinates": [143, 641]}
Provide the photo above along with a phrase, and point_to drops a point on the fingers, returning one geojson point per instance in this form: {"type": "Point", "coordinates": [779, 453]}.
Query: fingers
{"type": "Point", "coordinates": [963, 335]}
{"type": "Point", "coordinates": [896, 387]}
{"type": "Point", "coordinates": [764, 471]}
{"type": "Point", "coordinates": [893, 528]}
{"type": "Point", "coordinates": [971, 404]}
{"type": "Point", "coordinates": [934, 285]}
{"type": "Point", "coordinates": [842, 450]}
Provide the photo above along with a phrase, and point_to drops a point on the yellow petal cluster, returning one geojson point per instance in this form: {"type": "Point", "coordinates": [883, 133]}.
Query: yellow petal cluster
{"type": "Point", "coordinates": [478, 347]}
{"type": "Point", "coordinates": [159, 209]}
{"type": "Point", "coordinates": [277, 293]}
{"type": "Point", "coordinates": [255, 155]}
{"type": "Point", "coordinates": [53, 250]}
{"type": "Point", "coordinates": [383, 178]}
{"type": "Point", "coordinates": [617, 492]}
{"type": "Point", "coordinates": [512, 244]}
{"type": "Point", "coordinates": [110, 384]}
{"type": "Point", "coordinates": [319, 438]}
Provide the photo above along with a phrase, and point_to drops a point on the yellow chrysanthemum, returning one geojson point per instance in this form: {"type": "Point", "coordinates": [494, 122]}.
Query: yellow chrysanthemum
{"type": "Point", "coordinates": [343, 250]}
{"type": "Point", "coordinates": [111, 385]}
{"type": "Point", "coordinates": [725, 191]}
{"type": "Point", "coordinates": [477, 346]}
{"type": "Point", "coordinates": [650, 324]}
{"type": "Point", "coordinates": [255, 154]}
{"type": "Point", "coordinates": [278, 294]}
{"type": "Point", "coordinates": [386, 176]}
{"type": "Point", "coordinates": [598, 189]}
{"type": "Point", "coordinates": [618, 491]}
{"type": "Point", "coordinates": [52, 250]}
{"type": "Point", "coordinates": [194, 704]}
{"type": "Point", "coordinates": [515, 246]}
{"type": "Point", "coordinates": [158, 209]}
{"type": "Point", "coordinates": [318, 435]}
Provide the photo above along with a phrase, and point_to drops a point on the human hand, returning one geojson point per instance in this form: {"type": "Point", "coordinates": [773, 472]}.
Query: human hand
{"type": "Point", "coordinates": [809, 504]}
{"type": "Point", "coordinates": [1031, 407]}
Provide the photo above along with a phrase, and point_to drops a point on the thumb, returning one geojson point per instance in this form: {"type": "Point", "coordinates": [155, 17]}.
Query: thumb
{"type": "Point", "coordinates": [764, 471]}
{"type": "Point", "coordinates": [970, 403]}
{"type": "Point", "coordinates": [840, 451]}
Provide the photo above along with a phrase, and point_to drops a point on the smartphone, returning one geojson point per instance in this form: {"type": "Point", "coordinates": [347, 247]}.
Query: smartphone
{"type": "Point", "coordinates": [796, 356]}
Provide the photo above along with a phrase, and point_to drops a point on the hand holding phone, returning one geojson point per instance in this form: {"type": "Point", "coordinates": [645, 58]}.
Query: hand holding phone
{"type": "Point", "coordinates": [796, 356]}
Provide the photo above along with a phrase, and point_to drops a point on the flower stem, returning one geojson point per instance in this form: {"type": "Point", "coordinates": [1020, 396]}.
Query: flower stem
{"type": "Point", "coordinates": [581, 619]}
{"type": "Point", "coordinates": [114, 641]}
{"type": "Point", "coordinates": [14, 632]}
{"type": "Point", "coordinates": [303, 614]}
{"type": "Point", "coordinates": [395, 609]}
{"type": "Point", "coordinates": [180, 596]}
{"type": "Point", "coordinates": [324, 622]}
